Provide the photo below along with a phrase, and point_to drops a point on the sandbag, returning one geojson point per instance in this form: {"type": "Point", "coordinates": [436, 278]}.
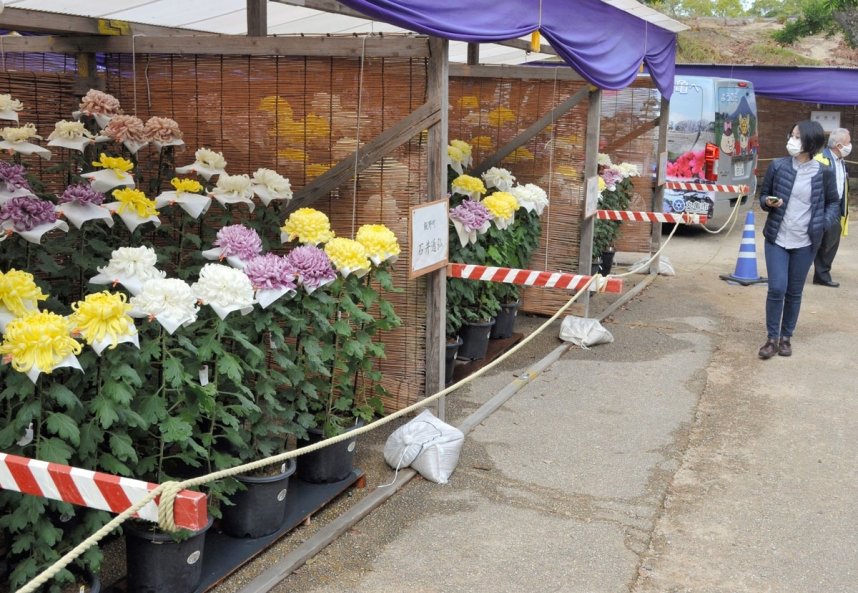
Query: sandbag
{"type": "Point", "coordinates": [584, 332]}
{"type": "Point", "coordinates": [428, 445]}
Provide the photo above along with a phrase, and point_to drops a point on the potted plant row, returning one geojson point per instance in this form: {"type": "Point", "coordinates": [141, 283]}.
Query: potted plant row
{"type": "Point", "coordinates": [153, 337]}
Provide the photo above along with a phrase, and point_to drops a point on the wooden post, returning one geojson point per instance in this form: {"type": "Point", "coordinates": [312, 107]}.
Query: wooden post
{"type": "Point", "coordinates": [473, 54]}
{"type": "Point", "coordinates": [257, 18]}
{"type": "Point", "coordinates": [591, 162]}
{"type": "Point", "coordinates": [436, 174]}
{"type": "Point", "coordinates": [86, 75]}
{"type": "Point", "coordinates": [658, 192]}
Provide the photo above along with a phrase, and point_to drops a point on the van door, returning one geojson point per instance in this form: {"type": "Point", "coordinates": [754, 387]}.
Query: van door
{"type": "Point", "coordinates": [736, 133]}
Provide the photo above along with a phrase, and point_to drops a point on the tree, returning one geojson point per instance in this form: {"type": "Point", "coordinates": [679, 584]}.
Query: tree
{"type": "Point", "coordinates": [692, 8]}
{"type": "Point", "coordinates": [775, 8]}
{"type": "Point", "coordinates": [822, 16]}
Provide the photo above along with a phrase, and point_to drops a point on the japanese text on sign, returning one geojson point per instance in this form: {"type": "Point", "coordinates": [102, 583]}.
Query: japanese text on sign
{"type": "Point", "coordinates": [428, 237]}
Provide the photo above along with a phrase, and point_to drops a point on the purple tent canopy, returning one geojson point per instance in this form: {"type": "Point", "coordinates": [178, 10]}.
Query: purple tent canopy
{"type": "Point", "coordinates": [831, 86]}
{"type": "Point", "coordinates": [604, 44]}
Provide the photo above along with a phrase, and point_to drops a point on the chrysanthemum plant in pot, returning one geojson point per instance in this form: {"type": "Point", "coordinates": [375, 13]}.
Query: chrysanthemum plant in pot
{"type": "Point", "coordinates": [616, 192]}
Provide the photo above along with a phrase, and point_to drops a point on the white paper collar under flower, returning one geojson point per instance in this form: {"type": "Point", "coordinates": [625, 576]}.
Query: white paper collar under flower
{"type": "Point", "coordinates": [170, 301]}
{"type": "Point", "coordinates": [194, 204]}
{"type": "Point", "coordinates": [132, 267]}
{"type": "Point", "coordinates": [499, 178]}
{"type": "Point", "coordinates": [70, 361]}
{"type": "Point", "coordinates": [18, 192]}
{"type": "Point", "coordinates": [224, 289]}
{"type": "Point", "coordinates": [266, 297]}
{"type": "Point", "coordinates": [469, 236]}
{"type": "Point", "coordinates": [216, 254]}
{"type": "Point", "coordinates": [105, 180]}
{"type": "Point", "coordinates": [173, 142]}
{"type": "Point", "coordinates": [101, 119]}
{"type": "Point", "coordinates": [131, 219]}
{"type": "Point", "coordinates": [233, 189]}
{"type": "Point", "coordinates": [35, 234]}
{"type": "Point", "coordinates": [26, 148]}
{"type": "Point", "coordinates": [504, 223]}
{"type": "Point", "coordinates": [207, 164]}
{"type": "Point", "coordinates": [270, 185]}
{"type": "Point", "coordinates": [100, 345]}
{"type": "Point", "coordinates": [10, 107]}
{"type": "Point", "coordinates": [77, 214]}
{"type": "Point", "coordinates": [70, 134]}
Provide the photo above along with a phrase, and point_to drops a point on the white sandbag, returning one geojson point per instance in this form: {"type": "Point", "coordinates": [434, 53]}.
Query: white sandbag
{"type": "Point", "coordinates": [665, 268]}
{"type": "Point", "coordinates": [428, 445]}
{"type": "Point", "coordinates": [584, 332]}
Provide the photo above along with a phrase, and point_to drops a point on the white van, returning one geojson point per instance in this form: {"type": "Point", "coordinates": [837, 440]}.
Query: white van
{"type": "Point", "coordinates": [712, 139]}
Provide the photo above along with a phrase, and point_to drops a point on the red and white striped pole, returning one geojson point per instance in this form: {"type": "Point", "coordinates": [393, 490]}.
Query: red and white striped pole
{"type": "Point", "coordinates": [96, 490]}
{"type": "Point", "coordinates": [627, 215]}
{"type": "Point", "coordinates": [732, 189]}
{"type": "Point", "coordinates": [531, 277]}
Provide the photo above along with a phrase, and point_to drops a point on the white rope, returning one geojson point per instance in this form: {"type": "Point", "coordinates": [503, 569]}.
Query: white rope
{"type": "Point", "coordinates": [134, 68]}
{"type": "Point", "coordinates": [552, 142]}
{"type": "Point", "coordinates": [357, 133]}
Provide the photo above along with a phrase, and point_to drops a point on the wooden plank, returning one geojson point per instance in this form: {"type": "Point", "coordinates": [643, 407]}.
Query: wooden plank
{"type": "Point", "coordinates": [473, 54]}
{"type": "Point", "coordinates": [331, 6]}
{"type": "Point", "coordinates": [424, 116]}
{"type": "Point", "coordinates": [534, 129]}
{"type": "Point", "coordinates": [341, 47]}
{"type": "Point", "coordinates": [525, 45]}
{"type": "Point", "coordinates": [40, 21]}
{"type": "Point", "coordinates": [658, 194]}
{"type": "Point", "coordinates": [87, 75]}
{"type": "Point", "coordinates": [561, 72]}
{"type": "Point", "coordinates": [436, 181]}
{"type": "Point", "coordinates": [591, 155]}
{"type": "Point", "coordinates": [257, 18]}
{"type": "Point", "coordinates": [641, 129]}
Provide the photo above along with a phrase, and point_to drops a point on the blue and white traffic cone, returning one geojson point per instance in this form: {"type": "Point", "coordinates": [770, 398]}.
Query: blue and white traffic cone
{"type": "Point", "coordinates": [746, 264]}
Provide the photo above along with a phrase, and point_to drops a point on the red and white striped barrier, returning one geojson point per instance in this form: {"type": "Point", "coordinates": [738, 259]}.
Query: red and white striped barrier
{"type": "Point", "coordinates": [733, 189]}
{"type": "Point", "coordinates": [679, 218]}
{"type": "Point", "coordinates": [531, 277]}
{"type": "Point", "coordinates": [96, 490]}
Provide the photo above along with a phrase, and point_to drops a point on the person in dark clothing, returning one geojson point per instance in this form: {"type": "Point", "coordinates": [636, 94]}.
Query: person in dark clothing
{"type": "Point", "coordinates": [839, 147]}
{"type": "Point", "coordinates": [800, 195]}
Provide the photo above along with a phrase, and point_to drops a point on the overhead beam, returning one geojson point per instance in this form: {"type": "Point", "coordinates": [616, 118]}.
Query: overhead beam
{"type": "Point", "coordinates": [418, 120]}
{"type": "Point", "coordinates": [534, 129]}
{"type": "Point", "coordinates": [561, 72]}
{"type": "Point", "coordinates": [40, 21]}
{"type": "Point", "coordinates": [322, 46]}
{"type": "Point", "coordinates": [638, 131]}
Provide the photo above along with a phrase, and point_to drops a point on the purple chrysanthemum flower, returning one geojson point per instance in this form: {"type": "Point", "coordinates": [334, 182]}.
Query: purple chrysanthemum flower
{"type": "Point", "coordinates": [271, 272]}
{"type": "Point", "coordinates": [473, 215]}
{"type": "Point", "coordinates": [13, 175]}
{"type": "Point", "coordinates": [27, 213]}
{"type": "Point", "coordinates": [611, 176]}
{"type": "Point", "coordinates": [81, 193]}
{"type": "Point", "coordinates": [239, 241]}
{"type": "Point", "coordinates": [313, 266]}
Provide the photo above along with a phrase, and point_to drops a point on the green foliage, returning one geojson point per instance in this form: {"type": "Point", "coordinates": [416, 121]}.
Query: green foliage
{"type": "Point", "coordinates": [605, 232]}
{"type": "Point", "coordinates": [817, 16]}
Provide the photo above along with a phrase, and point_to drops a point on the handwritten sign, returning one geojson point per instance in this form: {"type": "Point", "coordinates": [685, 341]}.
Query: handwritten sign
{"type": "Point", "coordinates": [428, 237]}
{"type": "Point", "coordinates": [830, 120]}
{"type": "Point", "coordinates": [591, 203]}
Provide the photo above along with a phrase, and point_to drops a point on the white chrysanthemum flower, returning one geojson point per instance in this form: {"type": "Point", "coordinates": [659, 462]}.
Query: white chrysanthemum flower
{"type": "Point", "coordinates": [7, 103]}
{"type": "Point", "coordinates": [210, 158]}
{"type": "Point", "coordinates": [500, 178]}
{"type": "Point", "coordinates": [169, 300]}
{"type": "Point", "coordinates": [270, 185]}
{"type": "Point", "coordinates": [628, 170]}
{"type": "Point", "coordinates": [233, 189]}
{"type": "Point", "coordinates": [531, 197]}
{"type": "Point", "coordinates": [224, 288]}
{"type": "Point", "coordinates": [131, 267]}
{"type": "Point", "coordinates": [604, 160]}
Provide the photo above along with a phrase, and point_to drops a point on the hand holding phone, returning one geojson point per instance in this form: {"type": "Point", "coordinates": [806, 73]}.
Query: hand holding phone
{"type": "Point", "coordinates": [773, 201]}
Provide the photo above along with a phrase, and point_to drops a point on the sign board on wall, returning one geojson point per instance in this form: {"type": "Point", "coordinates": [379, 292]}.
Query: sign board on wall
{"type": "Point", "coordinates": [830, 120]}
{"type": "Point", "coordinates": [591, 203]}
{"type": "Point", "coordinates": [428, 237]}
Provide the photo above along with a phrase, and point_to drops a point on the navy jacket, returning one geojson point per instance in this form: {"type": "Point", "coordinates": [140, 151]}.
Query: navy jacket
{"type": "Point", "coordinates": [824, 199]}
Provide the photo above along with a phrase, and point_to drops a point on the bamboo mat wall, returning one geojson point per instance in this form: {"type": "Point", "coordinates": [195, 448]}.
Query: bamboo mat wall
{"type": "Point", "coordinates": [300, 116]}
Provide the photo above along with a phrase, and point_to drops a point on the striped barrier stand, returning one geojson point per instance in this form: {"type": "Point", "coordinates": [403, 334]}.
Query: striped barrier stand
{"type": "Point", "coordinates": [679, 218]}
{"type": "Point", "coordinates": [733, 189]}
{"type": "Point", "coordinates": [96, 490]}
{"type": "Point", "coordinates": [531, 277]}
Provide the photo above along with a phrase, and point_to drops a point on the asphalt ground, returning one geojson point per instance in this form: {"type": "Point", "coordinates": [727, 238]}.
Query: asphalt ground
{"type": "Point", "coordinates": [671, 460]}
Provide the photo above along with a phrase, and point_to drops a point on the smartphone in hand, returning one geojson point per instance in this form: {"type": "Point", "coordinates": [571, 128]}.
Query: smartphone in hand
{"type": "Point", "coordinates": [773, 201]}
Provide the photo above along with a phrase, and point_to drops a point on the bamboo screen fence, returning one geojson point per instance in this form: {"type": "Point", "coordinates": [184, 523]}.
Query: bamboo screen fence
{"type": "Point", "coordinates": [489, 112]}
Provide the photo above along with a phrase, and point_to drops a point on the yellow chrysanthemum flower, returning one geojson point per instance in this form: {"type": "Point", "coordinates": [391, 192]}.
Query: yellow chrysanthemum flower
{"type": "Point", "coordinates": [379, 241]}
{"type": "Point", "coordinates": [467, 185]}
{"type": "Point", "coordinates": [18, 292]}
{"type": "Point", "coordinates": [463, 146]}
{"type": "Point", "coordinates": [347, 256]}
{"type": "Point", "coordinates": [39, 339]}
{"type": "Point", "coordinates": [136, 201]}
{"type": "Point", "coordinates": [102, 315]}
{"type": "Point", "coordinates": [602, 185]}
{"type": "Point", "coordinates": [455, 154]}
{"type": "Point", "coordinates": [308, 225]}
{"type": "Point", "coordinates": [117, 164]}
{"type": "Point", "coordinates": [501, 204]}
{"type": "Point", "coordinates": [191, 186]}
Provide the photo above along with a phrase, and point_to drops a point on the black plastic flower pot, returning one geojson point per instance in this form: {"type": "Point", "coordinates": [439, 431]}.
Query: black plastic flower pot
{"type": "Point", "coordinates": [328, 464]}
{"type": "Point", "coordinates": [259, 509]}
{"type": "Point", "coordinates": [450, 360]}
{"type": "Point", "coordinates": [159, 564]}
{"type": "Point", "coordinates": [607, 262]}
{"type": "Point", "coordinates": [475, 340]}
{"type": "Point", "coordinates": [505, 321]}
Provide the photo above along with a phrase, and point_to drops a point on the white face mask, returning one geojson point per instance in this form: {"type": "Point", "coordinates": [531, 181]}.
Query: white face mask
{"type": "Point", "coordinates": [846, 150]}
{"type": "Point", "coordinates": [793, 146]}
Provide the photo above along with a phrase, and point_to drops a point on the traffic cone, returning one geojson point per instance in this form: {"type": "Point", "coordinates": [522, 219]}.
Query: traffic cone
{"type": "Point", "coordinates": [746, 264]}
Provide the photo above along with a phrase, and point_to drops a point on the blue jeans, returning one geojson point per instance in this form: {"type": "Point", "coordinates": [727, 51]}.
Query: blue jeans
{"type": "Point", "coordinates": [787, 270]}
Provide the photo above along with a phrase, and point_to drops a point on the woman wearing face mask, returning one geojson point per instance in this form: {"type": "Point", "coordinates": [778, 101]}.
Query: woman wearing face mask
{"type": "Point", "coordinates": [800, 195]}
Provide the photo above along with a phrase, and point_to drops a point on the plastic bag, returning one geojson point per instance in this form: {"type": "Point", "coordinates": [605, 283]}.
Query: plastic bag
{"type": "Point", "coordinates": [665, 268]}
{"type": "Point", "coordinates": [584, 332]}
{"type": "Point", "coordinates": [428, 445]}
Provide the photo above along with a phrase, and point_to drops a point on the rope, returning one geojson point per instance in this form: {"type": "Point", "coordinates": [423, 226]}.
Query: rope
{"type": "Point", "coordinates": [134, 68]}
{"type": "Point", "coordinates": [357, 133]}
{"type": "Point", "coordinates": [552, 142]}
{"type": "Point", "coordinates": [168, 490]}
